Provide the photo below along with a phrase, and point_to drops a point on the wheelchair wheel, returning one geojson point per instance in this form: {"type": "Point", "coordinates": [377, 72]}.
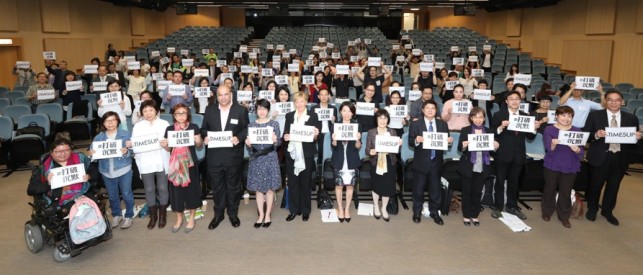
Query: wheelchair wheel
{"type": "Point", "coordinates": [33, 237]}
{"type": "Point", "coordinates": [59, 256]}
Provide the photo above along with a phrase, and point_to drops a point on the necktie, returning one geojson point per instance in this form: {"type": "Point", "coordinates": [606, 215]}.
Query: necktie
{"type": "Point", "coordinates": [614, 147]}
{"type": "Point", "coordinates": [431, 130]}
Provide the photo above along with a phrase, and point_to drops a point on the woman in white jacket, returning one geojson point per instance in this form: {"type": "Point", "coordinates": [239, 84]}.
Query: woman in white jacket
{"type": "Point", "coordinates": [122, 107]}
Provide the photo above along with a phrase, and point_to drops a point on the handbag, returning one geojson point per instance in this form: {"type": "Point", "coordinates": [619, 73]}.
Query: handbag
{"type": "Point", "coordinates": [32, 129]}
{"type": "Point", "coordinates": [393, 206]}
{"type": "Point", "coordinates": [324, 201]}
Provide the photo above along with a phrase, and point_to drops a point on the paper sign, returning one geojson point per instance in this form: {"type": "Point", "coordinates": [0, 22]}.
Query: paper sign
{"type": "Point", "coordinates": [276, 57]}
{"type": "Point", "coordinates": [146, 143]}
{"type": "Point", "coordinates": [405, 37]}
{"type": "Point", "coordinates": [107, 149]}
{"type": "Point", "coordinates": [281, 79]}
{"type": "Point", "coordinates": [163, 84]}
{"type": "Point", "coordinates": [396, 47]}
{"type": "Point", "coordinates": [201, 72]}
{"type": "Point", "coordinates": [429, 58]}
{"type": "Point", "coordinates": [335, 55]}
{"type": "Point", "coordinates": [156, 76]}
{"type": "Point", "coordinates": [164, 60]}
{"type": "Point", "coordinates": [461, 107]}
{"type": "Point", "coordinates": [133, 65]}
{"type": "Point", "coordinates": [522, 123]}
{"type": "Point", "coordinates": [458, 61]}
{"type": "Point", "coordinates": [323, 55]}
{"type": "Point", "coordinates": [324, 114]}
{"type": "Point", "coordinates": [185, 52]}
{"type": "Point", "coordinates": [439, 65]}
{"type": "Point", "coordinates": [345, 131]}
{"type": "Point", "coordinates": [276, 65]}
{"type": "Point", "coordinates": [220, 139]}
{"type": "Point", "coordinates": [266, 72]}
{"type": "Point", "coordinates": [523, 79]}
{"type": "Point", "coordinates": [237, 54]}
{"type": "Point", "coordinates": [472, 48]}
{"type": "Point", "coordinates": [316, 69]}
{"type": "Point", "coordinates": [367, 41]}
{"type": "Point", "coordinates": [244, 96]}
{"type": "Point", "coordinates": [398, 111]}
{"type": "Point", "coordinates": [232, 69]}
{"type": "Point", "coordinates": [302, 133]}
{"type": "Point", "coordinates": [321, 40]}
{"type": "Point", "coordinates": [243, 48]}
{"type": "Point", "coordinates": [374, 61]}
{"type": "Point", "coordinates": [201, 92]}
{"type": "Point", "coordinates": [480, 142]}
{"type": "Point", "coordinates": [455, 48]}
{"type": "Point", "coordinates": [27, 65]}
{"type": "Point", "coordinates": [551, 114]}
{"type": "Point", "coordinates": [308, 79]}
{"type": "Point", "coordinates": [267, 95]}
{"type": "Point", "coordinates": [572, 138]}
{"type": "Point", "coordinates": [408, 46]}
{"type": "Point", "coordinates": [46, 94]}
{"type": "Point", "coordinates": [270, 47]}
{"type": "Point", "coordinates": [400, 58]}
{"type": "Point", "coordinates": [426, 67]}
{"type": "Point", "coordinates": [416, 52]}
{"type": "Point", "coordinates": [180, 138]}
{"type": "Point", "coordinates": [620, 135]}
{"type": "Point", "coordinates": [473, 58]}
{"type": "Point", "coordinates": [479, 94]}
{"type": "Point", "coordinates": [260, 135]}
{"type": "Point", "coordinates": [224, 76]}
{"type": "Point", "coordinates": [253, 55]}
{"type": "Point", "coordinates": [73, 85]}
{"type": "Point", "coordinates": [387, 144]}
{"type": "Point", "coordinates": [176, 90]}
{"type": "Point", "coordinates": [477, 72]}
{"type": "Point", "coordinates": [486, 47]}
{"type": "Point", "coordinates": [221, 63]}
{"type": "Point", "coordinates": [435, 141]}
{"type": "Point", "coordinates": [315, 48]}
{"type": "Point", "coordinates": [171, 50]}
{"type": "Point", "coordinates": [450, 84]}
{"type": "Point", "coordinates": [187, 62]}
{"type": "Point", "coordinates": [245, 69]}
{"type": "Point", "coordinates": [400, 90]}
{"type": "Point", "coordinates": [49, 55]}
{"type": "Point", "coordinates": [342, 69]}
{"type": "Point", "coordinates": [67, 175]}
{"type": "Point", "coordinates": [414, 95]}
{"type": "Point", "coordinates": [112, 98]}
{"type": "Point", "coordinates": [587, 82]}
{"type": "Point", "coordinates": [292, 51]}
{"type": "Point", "coordinates": [280, 47]}
{"type": "Point", "coordinates": [155, 54]}
{"type": "Point", "coordinates": [524, 107]}
{"type": "Point", "coordinates": [89, 69]}
{"type": "Point", "coordinates": [205, 51]}
{"type": "Point", "coordinates": [365, 109]}
{"type": "Point", "coordinates": [283, 108]}
{"type": "Point", "coordinates": [293, 68]}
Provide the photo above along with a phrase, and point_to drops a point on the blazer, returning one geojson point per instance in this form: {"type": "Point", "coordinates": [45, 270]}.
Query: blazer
{"type": "Point", "coordinates": [229, 156]}
{"type": "Point", "coordinates": [370, 144]}
{"type": "Point", "coordinates": [465, 167]}
{"type": "Point", "coordinates": [310, 148]}
{"type": "Point", "coordinates": [512, 144]}
{"type": "Point", "coordinates": [331, 122]}
{"type": "Point", "coordinates": [422, 157]}
{"type": "Point", "coordinates": [352, 153]}
{"type": "Point", "coordinates": [598, 150]}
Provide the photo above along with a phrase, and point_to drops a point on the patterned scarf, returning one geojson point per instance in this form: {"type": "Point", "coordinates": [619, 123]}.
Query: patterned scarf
{"type": "Point", "coordinates": [180, 163]}
{"type": "Point", "coordinates": [69, 192]}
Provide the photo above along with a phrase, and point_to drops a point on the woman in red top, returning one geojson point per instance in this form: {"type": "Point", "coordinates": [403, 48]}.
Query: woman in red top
{"type": "Point", "coordinates": [313, 89]}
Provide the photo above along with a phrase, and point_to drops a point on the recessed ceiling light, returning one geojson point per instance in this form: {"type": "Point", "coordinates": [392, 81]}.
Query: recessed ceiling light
{"type": "Point", "coordinates": [415, 9]}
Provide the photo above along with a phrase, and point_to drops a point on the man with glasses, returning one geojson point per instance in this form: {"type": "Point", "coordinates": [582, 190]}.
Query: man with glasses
{"type": "Point", "coordinates": [582, 107]}
{"type": "Point", "coordinates": [608, 161]}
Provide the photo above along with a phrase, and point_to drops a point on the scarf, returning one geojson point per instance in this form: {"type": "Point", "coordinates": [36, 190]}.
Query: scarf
{"type": "Point", "coordinates": [69, 192]}
{"type": "Point", "coordinates": [382, 168]}
{"type": "Point", "coordinates": [485, 154]}
{"type": "Point", "coordinates": [296, 149]}
{"type": "Point", "coordinates": [180, 163]}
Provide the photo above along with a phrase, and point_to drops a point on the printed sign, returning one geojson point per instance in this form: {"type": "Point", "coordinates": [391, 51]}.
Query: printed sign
{"type": "Point", "coordinates": [486, 47]}
{"type": "Point", "coordinates": [522, 123]}
{"type": "Point", "coordinates": [365, 109]}
{"type": "Point", "coordinates": [367, 41]}
{"type": "Point", "coordinates": [180, 138]}
{"type": "Point", "coordinates": [164, 60]}
{"type": "Point", "coordinates": [342, 69]}
{"type": "Point", "coordinates": [27, 65]}
{"type": "Point", "coordinates": [477, 72]}
{"type": "Point", "coordinates": [345, 131]}
{"type": "Point", "coordinates": [67, 175]}
{"type": "Point", "coordinates": [324, 114]}
{"type": "Point", "coordinates": [524, 107]}
{"type": "Point", "coordinates": [245, 69]}
{"type": "Point", "coordinates": [88, 69]}
{"type": "Point", "coordinates": [308, 79]}
{"type": "Point", "coordinates": [281, 79]}
{"type": "Point", "coordinates": [107, 149]}
{"type": "Point", "coordinates": [220, 139]}
{"type": "Point", "coordinates": [155, 54]}
{"type": "Point", "coordinates": [551, 114]}
{"type": "Point", "coordinates": [387, 144]}
{"type": "Point", "coordinates": [461, 107]}
{"type": "Point", "coordinates": [243, 48]}
{"type": "Point", "coordinates": [237, 54]}
{"type": "Point", "coordinates": [429, 58]}
{"type": "Point", "coordinates": [46, 94]}
{"type": "Point", "coordinates": [397, 111]}
{"type": "Point", "coordinates": [112, 98]}
{"type": "Point", "coordinates": [426, 67]}
{"type": "Point", "coordinates": [572, 138]}
{"type": "Point", "coordinates": [522, 79]}
{"type": "Point", "coordinates": [620, 135]}
{"type": "Point", "coordinates": [157, 76]}
{"type": "Point", "coordinates": [472, 48]}
{"type": "Point", "coordinates": [244, 96]}
{"type": "Point", "coordinates": [400, 58]}
{"type": "Point", "coordinates": [396, 47]}
{"type": "Point", "coordinates": [185, 52]}
{"type": "Point", "coordinates": [414, 95]}
{"type": "Point", "coordinates": [302, 133]}
{"type": "Point", "coordinates": [266, 72]}
{"type": "Point", "coordinates": [473, 58]}
{"type": "Point", "coordinates": [458, 61]}
{"type": "Point", "coordinates": [146, 143]}
{"type": "Point", "coordinates": [260, 135]}
{"type": "Point", "coordinates": [221, 63]}
{"type": "Point", "coordinates": [187, 62]}
{"type": "Point", "coordinates": [283, 108]}
{"type": "Point", "coordinates": [133, 65]}
{"type": "Point", "coordinates": [73, 85]}
{"type": "Point", "coordinates": [293, 68]}
{"type": "Point", "coordinates": [374, 61]}
{"type": "Point", "coordinates": [201, 72]}
{"type": "Point", "coordinates": [455, 48]}
{"type": "Point", "coordinates": [480, 94]}
{"type": "Point", "coordinates": [439, 65]}
{"type": "Point", "coordinates": [435, 141]}
{"type": "Point", "coordinates": [163, 84]}
{"type": "Point", "coordinates": [201, 92]}
{"type": "Point", "coordinates": [587, 82]}
{"type": "Point", "coordinates": [205, 51]}
{"type": "Point", "coordinates": [480, 142]}
{"type": "Point", "coordinates": [49, 55]}
{"type": "Point", "coordinates": [253, 55]}
{"type": "Point", "coordinates": [451, 84]}
{"type": "Point", "coordinates": [176, 90]}
{"type": "Point", "coordinates": [416, 52]}
{"type": "Point", "coordinates": [408, 46]}
{"type": "Point", "coordinates": [171, 50]}
{"type": "Point", "coordinates": [270, 47]}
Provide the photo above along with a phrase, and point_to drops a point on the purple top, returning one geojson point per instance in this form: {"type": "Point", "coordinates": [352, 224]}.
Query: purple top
{"type": "Point", "coordinates": [562, 158]}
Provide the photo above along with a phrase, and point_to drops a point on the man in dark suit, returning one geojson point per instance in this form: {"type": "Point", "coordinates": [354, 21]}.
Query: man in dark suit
{"type": "Point", "coordinates": [111, 70]}
{"type": "Point", "coordinates": [427, 164]}
{"type": "Point", "coordinates": [59, 75]}
{"type": "Point", "coordinates": [225, 164]}
{"type": "Point", "coordinates": [510, 157]}
{"type": "Point", "coordinates": [101, 77]}
{"type": "Point", "coordinates": [608, 161]}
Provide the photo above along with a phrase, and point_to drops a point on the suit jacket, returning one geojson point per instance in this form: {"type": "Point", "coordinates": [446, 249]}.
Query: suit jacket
{"type": "Point", "coordinates": [370, 144]}
{"type": "Point", "coordinates": [598, 150]}
{"type": "Point", "coordinates": [465, 167]}
{"type": "Point", "coordinates": [230, 156]}
{"type": "Point", "coordinates": [352, 153]}
{"type": "Point", "coordinates": [512, 144]}
{"type": "Point", "coordinates": [310, 148]}
{"type": "Point", "coordinates": [422, 157]}
{"type": "Point", "coordinates": [97, 79]}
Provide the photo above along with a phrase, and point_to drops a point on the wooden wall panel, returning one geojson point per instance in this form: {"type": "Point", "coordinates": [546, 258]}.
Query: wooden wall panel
{"type": "Point", "coordinates": [29, 16]}
{"type": "Point", "coordinates": [443, 17]}
{"type": "Point", "coordinates": [626, 16]}
{"type": "Point", "coordinates": [639, 16]}
{"type": "Point", "coordinates": [588, 57]}
{"type": "Point", "coordinates": [540, 48]}
{"type": "Point", "coordinates": [513, 43]}
{"type": "Point", "coordinates": [626, 51]}
{"type": "Point", "coordinates": [232, 17]}
{"type": "Point", "coordinates": [9, 16]}
{"type": "Point", "coordinates": [154, 23]}
{"type": "Point", "coordinates": [55, 16]}
{"type": "Point", "coordinates": [514, 22]}
{"type": "Point", "coordinates": [83, 21]}
{"type": "Point", "coordinates": [496, 24]}
{"type": "Point", "coordinates": [207, 16]}
{"type": "Point", "coordinates": [73, 50]}
{"type": "Point", "coordinates": [600, 17]}
{"type": "Point", "coordinates": [568, 17]}
{"type": "Point", "coordinates": [137, 17]}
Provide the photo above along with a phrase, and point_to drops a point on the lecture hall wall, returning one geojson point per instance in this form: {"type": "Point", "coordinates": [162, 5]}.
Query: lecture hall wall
{"type": "Point", "coordinates": [592, 37]}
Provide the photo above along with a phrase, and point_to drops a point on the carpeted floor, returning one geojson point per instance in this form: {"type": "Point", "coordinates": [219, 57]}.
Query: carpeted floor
{"type": "Point", "coordinates": [364, 246]}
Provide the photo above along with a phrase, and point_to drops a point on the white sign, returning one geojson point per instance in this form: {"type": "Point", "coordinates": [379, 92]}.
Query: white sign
{"type": "Point", "coordinates": [522, 124]}
{"type": "Point", "coordinates": [367, 41]}
{"type": "Point", "coordinates": [164, 60]}
{"type": "Point", "coordinates": [374, 61]}
{"type": "Point", "coordinates": [451, 84]}
{"type": "Point", "coordinates": [524, 107]}
{"type": "Point", "coordinates": [176, 90]}
{"type": "Point", "coordinates": [112, 98]}
{"type": "Point", "coordinates": [308, 79]}
{"type": "Point", "coordinates": [620, 135]}
{"type": "Point", "coordinates": [480, 142]}
{"type": "Point", "coordinates": [67, 175]}
{"type": "Point", "coordinates": [426, 67]}
{"type": "Point", "coordinates": [302, 133]}
{"type": "Point", "coordinates": [414, 95]}
{"type": "Point", "coordinates": [472, 48]}
{"type": "Point", "coordinates": [89, 69]}
{"type": "Point", "coordinates": [293, 68]}
{"type": "Point", "coordinates": [416, 52]}
{"type": "Point", "coordinates": [276, 57]}
{"type": "Point", "coordinates": [435, 141]}
{"type": "Point", "coordinates": [405, 37]}
{"type": "Point", "coordinates": [486, 47]}
{"type": "Point", "coordinates": [163, 84]}
{"type": "Point", "coordinates": [439, 65]}
{"type": "Point", "coordinates": [572, 138]}
{"type": "Point", "coordinates": [480, 94]}
{"type": "Point", "coordinates": [243, 48]}
{"type": "Point", "coordinates": [455, 48]}
{"type": "Point", "coordinates": [27, 65]}
{"type": "Point", "coordinates": [335, 55]}
{"type": "Point", "coordinates": [73, 85]}
{"type": "Point", "coordinates": [522, 79]}
{"type": "Point", "coordinates": [473, 58]}
{"type": "Point", "coordinates": [276, 65]}
{"type": "Point", "coordinates": [180, 138]}
{"type": "Point", "coordinates": [587, 82]}
{"type": "Point", "coordinates": [266, 72]}
{"type": "Point", "coordinates": [155, 54]}
{"type": "Point", "coordinates": [315, 48]}
{"type": "Point", "coordinates": [408, 46]}
{"type": "Point", "coordinates": [284, 107]}
{"type": "Point", "coordinates": [399, 89]}
{"type": "Point", "coordinates": [237, 54]}
{"type": "Point", "coordinates": [187, 62]}
{"type": "Point", "coordinates": [270, 47]}
{"type": "Point", "coordinates": [232, 69]}
{"type": "Point", "coordinates": [398, 111]}
{"type": "Point", "coordinates": [365, 109]}
{"type": "Point", "coordinates": [267, 95]}
{"type": "Point", "coordinates": [260, 135]}
{"type": "Point", "coordinates": [322, 40]}
{"type": "Point", "coordinates": [387, 144]}
{"type": "Point", "coordinates": [400, 58]}
{"type": "Point", "coordinates": [396, 47]}
{"type": "Point", "coordinates": [146, 143]}
{"type": "Point", "coordinates": [342, 69]}
{"type": "Point", "coordinates": [129, 58]}
{"type": "Point", "coordinates": [253, 55]}
{"type": "Point", "coordinates": [46, 94]}
{"type": "Point", "coordinates": [323, 55]}
{"type": "Point", "coordinates": [477, 72]}
{"type": "Point", "coordinates": [245, 69]}
{"type": "Point", "coordinates": [224, 76]}
{"type": "Point", "coordinates": [244, 96]}
{"type": "Point", "coordinates": [551, 115]}
{"type": "Point", "coordinates": [157, 76]}
{"type": "Point", "coordinates": [171, 49]}
{"type": "Point", "coordinates": [205, 51]}
{"type": "Point", "coordinates": [458, 61]}
{"type": "Point", "coordinates": [107, 149]}
{"type": "Point", "coordinates": [201, 92]}
{"type": "Point", "coordinates": [185, 52]}
{"type": "Point", "coordinates": [461, 107]}
{"type": "Point", "coordinates": [429, 58]}
{"type": "Point", "coordinates": [49, 55]}
{"type": "Point", "coordinates": [324, 114]}
{"type": "Point", "coordinates": [280, 47]}
{"type": "Point", "coordinates": [201, 72]}
{"type": "Point", "coordinates": [292, 51]}
{"type": "Point", "coordinates": [219, 139]}
{"type": "Point", "coordinates": [133, 65]}
{"type": "Point", "coordinates": [221, 63]}
{"type": "Point", "coordinates": [281, 79]}
{"type": "Point", "coordinates": [345, 131]}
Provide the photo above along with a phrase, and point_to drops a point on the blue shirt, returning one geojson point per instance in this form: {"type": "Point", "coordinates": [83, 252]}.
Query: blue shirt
{"type": "Point", "coordinates": [582, 107]}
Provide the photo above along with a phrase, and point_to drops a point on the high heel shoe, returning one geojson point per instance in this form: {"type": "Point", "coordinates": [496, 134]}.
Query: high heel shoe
{"type": "Point", "coordinates": [386, 219]}
{"type": "Point", "coordinates": [266, 224]}
{"type": "Point", "coordinates": [341, 219]}
{"type": "Point", "coordinates": [376, 217]}
{"type": "Point", "coordinates": [258, 224]}
{"type": "Point", "coordinates": [348, 219]}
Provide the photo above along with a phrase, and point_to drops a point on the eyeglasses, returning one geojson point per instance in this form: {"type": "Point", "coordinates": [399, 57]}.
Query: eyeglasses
{"type": "Point", "coordinates": [181, 114]}
{"type": "Point", "coordinates": [61, 152]}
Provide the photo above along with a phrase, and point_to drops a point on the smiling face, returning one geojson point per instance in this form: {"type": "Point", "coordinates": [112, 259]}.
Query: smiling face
{"type": "Point", "coordinates": [458, 93]}
{"type": "Point", "coordinates": [61, 153]}
{"type": "Point", "coordinates": [429, 111]}
{"type": "Point", "coordinates": [149, 113]}
{"type": "Point", "coordinates": [614, 101]}
{"type": "Point", "coordinates": [564, 119]}
{"type": "Point", "coordinates": [346, 113]}
{"type": "Point", "coordinates": [110, 123]}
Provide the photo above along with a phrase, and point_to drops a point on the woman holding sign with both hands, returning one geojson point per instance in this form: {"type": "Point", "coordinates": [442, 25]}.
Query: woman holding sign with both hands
{"type": "Point", "coordinates": [122, 108]}
{"type": "Point", "coordinates": [455, 111]}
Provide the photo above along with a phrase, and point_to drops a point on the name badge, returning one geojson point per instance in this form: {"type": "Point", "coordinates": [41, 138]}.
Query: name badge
{"type": "Point", "coordinates": [234, 121]}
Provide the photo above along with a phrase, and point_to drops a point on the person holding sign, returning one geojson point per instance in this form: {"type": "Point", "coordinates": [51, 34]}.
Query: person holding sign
{"type": "Point", "coordinates": [510, 157]}
{"type": "Point", "coordinates": [345, 158]}
{"type": "Point", "coordinates": [137, 115]}
{"type": "Point", "coordinates": [582, 106]}
{"type": "Point", "coordinates": [100, 77]}
{"type": "Point", "coordinates": [366, 120]}
{"type": "Point", "coordinates": [561, 164]}
{"type": "Point", "coordinates": [326, 114]}
{"type": "Point", "coordinates": [300, 158]}
{"type": "Point", "coordinates": [447, 92]}
{"type": "Point", "coordinates": [374, 78]}
{"type": "Point", "coordinates": [474, 166]}
{"type": "Point", "coordinates": [111, 103]}
{"type": "Point", "coordinates": [152, 161]}
{"type": "Point", "coordinates": [74, 93]}
{"type": "Point", "coordinates": [487, 57]}
{"type": "Point", "coordinates": [202, 102]}
{"type": "Point", "coordinates": [394, 105]}
{"type": "Point", "coordinates": [60, 74]}
{"type": "Point", "coordinates": [116, 169]}
{"type": "Point", "coordinates": [609, 161]}
{"type": "Point", "coordinates": [425, 79]}
{"type": "Point", "coordinates": [136, 83]}
{"type": "Point", "coordinates": [294, 81]}
{"type": "Point", "coordinates": [183, 173]}
{"type": "Point", "coordinates": [542, 113]}
{"type": "Point", "coordinates": [48, 94]}
{"type": "Point", "coordinates": [181, 95]}
{"type": "Point", "coordinates": [468, 82]}
{"type": "Point", "coordinates": [455, 112]}
{"type": "Point", "coordinates": [417, 106]}
{"type": "Point", "coordinates": [25, 76]}
{"type": "Point", "coordinates": [427, 163]}
{"type": "Point", "coordinates": [264, 174]}
{"type": "Point", "coordinates": [512, 72]}
{"type": "Point", "coordinates": [441, 78]}
{"type": "Point", "coordinates": [225, 164]}
{"type": "Point", "coordinates": [313, 89]}
{"type": "Point", "coordinates": [384, 174]}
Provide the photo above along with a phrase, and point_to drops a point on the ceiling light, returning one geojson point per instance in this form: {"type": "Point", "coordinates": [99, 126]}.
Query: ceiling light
{"type": "Point", "coordinates": [6, 41]}
{"type": "Point", "coordinates": [415, 9]}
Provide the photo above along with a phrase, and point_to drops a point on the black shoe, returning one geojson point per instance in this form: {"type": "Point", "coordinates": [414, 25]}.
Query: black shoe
{"type": "Point", "coordinates": [467, 223]}
{"type": "Point", "coordinates": [305, 217]}
{"type": "Point", "coordinates": [416, 218]}
{"type": "Point", "coordinates": [215, 222]}
{"type": "Point", "coordinates": [591, 216]}
{"type": "Point", "coordinates": [376, 217]}
{"type": "Point", "coordinates": [341, 219]}
{"type": "Point", "coordinates": [476, 223]}
{"type": "Point", "coordinates": [291, 217]}
{"type": "Point", "coordinates": [266, 224]}
{"type": "Point", "coordinates": [258, 224]}
{"type": "Point", "coordinates": [611, 219]}
{"type": "Point", "coordinates": [235, 221]}
{"type": "Point", "coordinates": [437, 219]}
{"type": "Point", "coordinates": [387, 219]}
